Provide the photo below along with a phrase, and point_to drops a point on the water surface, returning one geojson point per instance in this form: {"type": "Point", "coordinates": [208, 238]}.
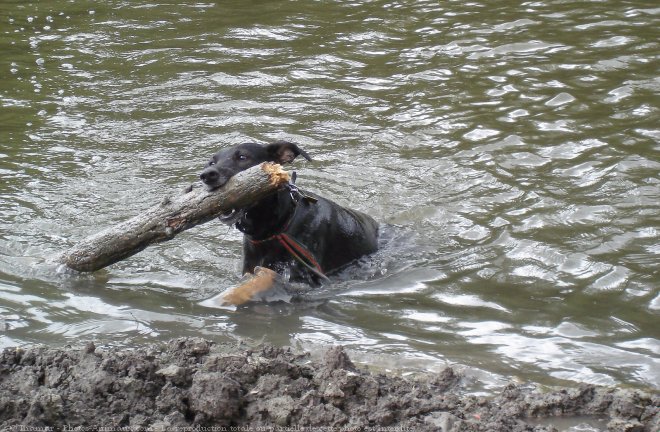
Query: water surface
{"type": "Point", "coordinates": [509, 149]}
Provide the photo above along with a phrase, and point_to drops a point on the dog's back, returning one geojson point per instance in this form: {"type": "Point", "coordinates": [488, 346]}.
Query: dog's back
{"type": "Point", "coordinates": [320, 234]}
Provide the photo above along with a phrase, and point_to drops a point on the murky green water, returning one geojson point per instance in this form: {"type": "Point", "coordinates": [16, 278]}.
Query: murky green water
{"type": "Point", "coordinates": [511, 147]}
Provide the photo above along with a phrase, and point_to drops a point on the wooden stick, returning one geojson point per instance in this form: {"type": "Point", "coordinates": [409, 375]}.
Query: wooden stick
{"type": "Point", "coordinates": [175, 214]}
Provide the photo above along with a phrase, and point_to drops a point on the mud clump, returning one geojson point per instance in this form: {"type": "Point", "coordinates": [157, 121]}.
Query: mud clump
{"type": "Point", "coordinates": [194, 384]}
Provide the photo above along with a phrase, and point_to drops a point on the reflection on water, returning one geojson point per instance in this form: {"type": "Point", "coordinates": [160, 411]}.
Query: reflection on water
{"type": "Point", "coordinates": [510, 149]}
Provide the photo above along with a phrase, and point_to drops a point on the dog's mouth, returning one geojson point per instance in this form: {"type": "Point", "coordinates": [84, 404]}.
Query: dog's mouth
{"type": "Point", "coordinates": [210, 187]}
{"type": "Point", "coordinates": [231, 217]}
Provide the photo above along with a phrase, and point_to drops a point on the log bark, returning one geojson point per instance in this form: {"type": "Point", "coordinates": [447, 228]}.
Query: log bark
{"type": "Point", "coordinates": [175, 214]}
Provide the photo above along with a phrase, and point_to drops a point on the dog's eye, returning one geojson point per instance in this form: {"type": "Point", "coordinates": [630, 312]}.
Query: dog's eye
{"type": "Point", "coordinates": [241, 157]}
{"type": "Point", "coordinates": [211, 163]}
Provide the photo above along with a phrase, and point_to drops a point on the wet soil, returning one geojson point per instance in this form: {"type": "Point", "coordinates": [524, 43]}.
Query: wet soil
{"type": "Point", "coordinates": [194, 384]}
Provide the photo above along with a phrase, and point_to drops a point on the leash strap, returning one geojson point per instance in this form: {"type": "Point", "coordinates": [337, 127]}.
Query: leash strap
{"type": "Point", "coordinates": [297, 250]}
{"type": "Point", "coordinates": [302, 254]}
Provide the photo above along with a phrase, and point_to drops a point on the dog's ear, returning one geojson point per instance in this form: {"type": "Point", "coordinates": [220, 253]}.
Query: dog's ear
{"type": "Point", "coordinates": [285, 152]}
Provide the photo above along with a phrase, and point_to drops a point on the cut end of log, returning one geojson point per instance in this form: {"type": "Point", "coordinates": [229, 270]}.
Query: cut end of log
{"type": "Point", "coordinates": [275, 173]}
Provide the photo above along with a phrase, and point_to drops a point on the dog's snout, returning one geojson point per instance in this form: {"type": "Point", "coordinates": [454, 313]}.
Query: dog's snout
{"type": "Point", "coordinates": [212, 177]}
{"type": "Point", "coordinates": [209, 176]}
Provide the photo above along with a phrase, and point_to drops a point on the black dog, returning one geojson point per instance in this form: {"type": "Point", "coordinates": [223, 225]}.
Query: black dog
{"type": "Point", "coordinates": [291, 232]}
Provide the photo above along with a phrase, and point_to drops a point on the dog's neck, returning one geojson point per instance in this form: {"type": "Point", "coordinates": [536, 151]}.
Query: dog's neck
{"type": "Point", "coordinates": [268, 216]}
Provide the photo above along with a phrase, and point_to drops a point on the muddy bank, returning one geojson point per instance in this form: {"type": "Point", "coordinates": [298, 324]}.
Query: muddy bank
{"type": "Point", "coordinates": [192, 384]}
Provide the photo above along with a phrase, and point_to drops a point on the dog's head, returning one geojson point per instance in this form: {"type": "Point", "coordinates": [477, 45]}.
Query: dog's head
{"type": "Point", "coordinates": [228, 162]}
